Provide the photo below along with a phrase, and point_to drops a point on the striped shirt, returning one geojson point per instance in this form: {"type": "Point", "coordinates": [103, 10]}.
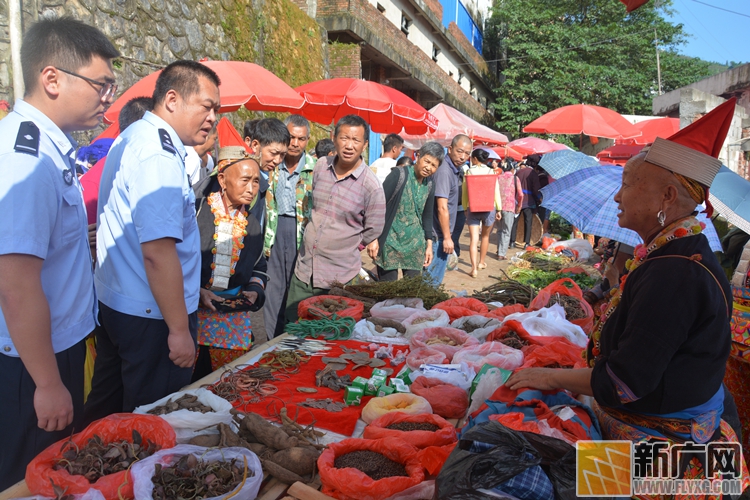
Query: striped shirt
{"type": "Point", "coordinates": [345, 213]}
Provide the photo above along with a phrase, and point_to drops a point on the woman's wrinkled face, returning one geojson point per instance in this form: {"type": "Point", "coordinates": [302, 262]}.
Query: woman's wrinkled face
{"type": "Point", "coordinates": [639, 198]}
{"type": "Point", "coordinates": [241, 182]}
{"type": "Point", "coordinates": [426, 166]}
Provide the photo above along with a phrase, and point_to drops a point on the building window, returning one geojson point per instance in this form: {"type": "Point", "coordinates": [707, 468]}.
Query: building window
{"type": "Point", "coordinates": [472, 90]}
{"type": "Point", "coordinates": [405, 23]}
{"type": "Point", "coordinates": [381, 9]}
{"type": "Point", "coordinates": [460, 77]}
{"type": "Point", "coordinates": [435, 52]}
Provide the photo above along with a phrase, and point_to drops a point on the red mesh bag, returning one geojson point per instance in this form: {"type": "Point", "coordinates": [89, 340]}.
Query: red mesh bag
{"type": "Point", "coordinates": [459, 307]}
{"type": "Point", "coordinates": [117, 427]}
{"type": "Point", "coordinates": [559, 286]}
{"type": "Point", "coordinates": [352, 484]}
{"type": "Point", "coordinates": [312, 308]}
{"type": "Point", "coordinates": [501, 312]}
{"type": "Point", "coordinates": [446, 400]}
{"type": "Point", "coordinates": [446, 434]}
{"type": "Point", "coordinates": [560, 352]}
{"type": "Point", "coordinates": [425, 356]}
{"type": "Point", "coordinates": [515, 326]}
{"type": "Point", "coordinates": [459, 337]}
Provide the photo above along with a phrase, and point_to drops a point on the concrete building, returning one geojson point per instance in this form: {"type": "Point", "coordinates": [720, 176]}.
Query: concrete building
{"type": "Point", "coordinates": [428, 49]}
{"type": "Point", "coordinates": [695, 100]}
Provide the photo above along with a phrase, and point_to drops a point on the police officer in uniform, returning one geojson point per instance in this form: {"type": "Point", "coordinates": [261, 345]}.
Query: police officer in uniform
{"type": "Point", "coordinates": [148, 247]}
{"type": "Point", "coordinates": [46, 283]}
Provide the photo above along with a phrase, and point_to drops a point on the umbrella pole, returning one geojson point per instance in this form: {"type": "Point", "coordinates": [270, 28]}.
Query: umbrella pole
{"type": "Point", "coordinates": [580, 142]}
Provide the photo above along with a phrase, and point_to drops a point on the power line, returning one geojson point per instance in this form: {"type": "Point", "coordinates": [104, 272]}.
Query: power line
{"type": "Point", "coordinates": [721, 8]}
{"type": "Point", "coordinates": [704, 27]}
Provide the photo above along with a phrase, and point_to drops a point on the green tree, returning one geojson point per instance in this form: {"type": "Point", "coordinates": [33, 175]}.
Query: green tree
{"type": "Point", "coordinates": [551, 53]}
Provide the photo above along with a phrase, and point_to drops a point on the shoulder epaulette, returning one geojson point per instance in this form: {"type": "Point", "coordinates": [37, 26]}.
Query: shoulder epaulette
{"type": "Point", "coordinates": [27, 140]}
{"type": "Point", "coordinates": [166, 142]}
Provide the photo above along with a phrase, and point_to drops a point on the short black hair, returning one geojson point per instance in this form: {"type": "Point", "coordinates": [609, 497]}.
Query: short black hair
{"type": "Point", "coordinates": [460, 138]}
{"type": "Point", "coordinates": [392, 141]}
{"type": "Point", "coordinates": [352, 121]}
{"type": "Point", "coordinates": [324, 147]}
{"type": "Point", "coordinates": [134, 110]}
{"type": "Point", "coordinates": [481, 155]}
{"type": "Point", "coordinates": [404, 161]}
{"type": "Point", "coordinates": [183, 77]}
{"type": "Point", "coordinates": [434, 149]}
{"type": "Point", "coordinates": [271, 131]}
{"type": "Point", "coordinates": [249, 128]}
{"type": "Point", "coordinates": [298, 121]}
{"type": "Point", "coordinates": [65, 43]}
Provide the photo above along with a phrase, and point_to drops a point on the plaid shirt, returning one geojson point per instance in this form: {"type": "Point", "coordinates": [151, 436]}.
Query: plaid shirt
{"type": "Point", "coordinates": [345, 213]}
{"type": "Point", "coordinates": [303, 203]}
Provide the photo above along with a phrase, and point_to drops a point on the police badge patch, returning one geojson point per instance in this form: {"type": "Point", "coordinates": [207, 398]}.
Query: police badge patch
{"type": "Point", "coordinates": [68, 176]}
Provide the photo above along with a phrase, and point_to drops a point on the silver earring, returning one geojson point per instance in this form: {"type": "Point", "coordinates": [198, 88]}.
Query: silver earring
{"type": "Point", "coordinates": [661, 218]}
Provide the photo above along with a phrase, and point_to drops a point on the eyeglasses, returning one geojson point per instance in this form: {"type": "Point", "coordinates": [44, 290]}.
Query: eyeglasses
{"type": "Point", "coordinates": [107, 90]}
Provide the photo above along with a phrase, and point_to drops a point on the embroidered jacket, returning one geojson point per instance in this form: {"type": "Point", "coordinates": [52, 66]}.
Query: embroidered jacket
{"type": "Point", "coordinates": [303, 195]}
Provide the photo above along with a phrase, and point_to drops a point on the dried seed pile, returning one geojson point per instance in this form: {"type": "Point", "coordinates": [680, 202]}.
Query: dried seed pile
{"type": "Point", "coordinates": [413, 426]}
{"type": "Point", "coordinates": [186, 402]}
{"type": "Point", "coordinates": [331, 306]}
{"type": "Point", "coordinates": [419, 321]}
{"type": "Point", "coordinates": [440, 340]}
{"type": "Point", "coordinates": [572, 306]}
{"type": "Point", "coordinates": [97, 459]}
{"type": "Point", "coordinates": [193, 478]}
{"type": "Point", "coordinates": [512, 339]}
{"type": "Point", "coordinates": [375, 465]}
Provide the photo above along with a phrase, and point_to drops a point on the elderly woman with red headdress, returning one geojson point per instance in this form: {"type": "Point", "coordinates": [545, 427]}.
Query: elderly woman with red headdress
{"type": "Point", "coordinates": [233, 267]}
{"type": "Point", "coordinates": [658, 353]}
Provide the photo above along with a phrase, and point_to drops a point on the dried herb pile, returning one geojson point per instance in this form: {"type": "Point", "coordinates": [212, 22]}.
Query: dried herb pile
{"type": "Point", "coordinates": [545, 261]}
{"type": "Point", "coordinates": [413, 426]}
{"type": "Point", "coordinates": [507, 291]}
{"type": "Point", "coordinates": [98, 459]}
{"type": "Point", "coordinates": [375, 465]}
{"type": "Point", "coordinates": [195, 479]}
{"type": "Point", "coordinates": [186, 402]}
{"type": "Point", "coordinates": [572, 306]}
{"type": "Point", "coordinates": [511, 339]}
{"type": "Point", "coordinates": [412, 287]}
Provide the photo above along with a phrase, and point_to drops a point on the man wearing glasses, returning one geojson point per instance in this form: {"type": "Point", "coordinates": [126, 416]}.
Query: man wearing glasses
{"type": "Point", "coordinates": [46, 282]}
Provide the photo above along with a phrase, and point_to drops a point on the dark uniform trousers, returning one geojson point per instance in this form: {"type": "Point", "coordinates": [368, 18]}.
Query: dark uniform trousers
{"type": "Point", "coordinates": [132, 364]}
{"type": "Point", "coordinates": [21, 437]}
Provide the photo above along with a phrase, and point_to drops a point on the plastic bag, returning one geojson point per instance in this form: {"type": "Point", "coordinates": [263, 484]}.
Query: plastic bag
{"type": "Point", "coordinates": [477, 326]}
{"type": "Point", "coordinates": [501, 312]}
{"type": "Point", "coordinates": [92, 494]}
{"type": "Point", "coordinates": [446, 400]}
{"type": "Point", "coordinates": [400, 401]}
{"type": "Point", "coordinates": [425, 319]}
{"type": "Point", "coordinates": [550, 322]}
{"type": "Point", "coordinates": [491, 380]}
{"type": "Point", "coordinates": [559, 352]}
{"type": "Point", "coordinates": [458, 374]}
{"type": "Point", "coordinates": [425, 489]}
{"type": "Point", "coordinates": [366, 331]}
{"type": "Point", "coordinates": [458, 307]}
{"type": "Point", "coordinates": [459, 337]}
{"type": "Point", "coordinates": [117, 427]}
{"type": "Point", "coordinates": [490, 454]}
{"type": "Point", "coordinates": [425, 355]}
{"type": "Point", "coordinates": [397, 309]}
{"type": "Point", "coordinates": [446, 433]}
{"type": "Point", "coordinates": [312, 308]}
{"type": "Point", "coordinates": [491, 353]}
{"type": "Point", "coordinates": [352, 484]}
{"type": "Point", "coordinates": [188, 424]}
{"type": "Point", "coordinates": [432, 458]}
{"type": "Point", "coordinates": [582, 247]}
{"type": "Point", "coordinates": [143, 470]}
{"type": "Point", "coordinates": [565, 287]}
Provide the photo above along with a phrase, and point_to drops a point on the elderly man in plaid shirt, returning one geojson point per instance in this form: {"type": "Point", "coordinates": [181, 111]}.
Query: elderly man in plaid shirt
{"type": "Point", "coordinates": [348, 209]}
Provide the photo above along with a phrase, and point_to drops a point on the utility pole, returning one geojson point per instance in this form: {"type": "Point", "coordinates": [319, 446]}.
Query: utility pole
{"type": "Point", "coordinates": [658, 65]}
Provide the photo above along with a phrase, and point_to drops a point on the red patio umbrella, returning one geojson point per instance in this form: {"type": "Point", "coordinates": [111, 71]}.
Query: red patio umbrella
{"type": "Point", "coordinates": [619, 154]}
{"type": "Point", "coordinates": [384, 108]}
{"type": "Point", "coordinates": [505, 151]}
{"type": "Point", "coordinates": [594, 121]}
{"type": "Point", "coordinates": [631, 5]}
{"type": "Point", "coordinates": [535, 145]}
{"type": "Point", "coordinates": [651, 129]}
{"type": "Point", "coordinates": [242, 84]}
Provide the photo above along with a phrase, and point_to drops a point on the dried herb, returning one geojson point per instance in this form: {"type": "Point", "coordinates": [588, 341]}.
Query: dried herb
{"type": "Point", "coordinates": [97, 459]}
{"type": "Point", "coordinates": [375, 465]}
{"type": "Point", "coordinates": [413, 426]}
{"type": "Point", "coordinates": [507, 291]}
{"type": "Point", "coordinates": [419, 286]}
{"type": "Point", "coordinates": [193, 478]}
{"type": "Point", "coordinates": [186, 402]}
{"type": "Point", "coordinates": [572, 306]}
{"type": "Point", "coordinates": [511, 339]}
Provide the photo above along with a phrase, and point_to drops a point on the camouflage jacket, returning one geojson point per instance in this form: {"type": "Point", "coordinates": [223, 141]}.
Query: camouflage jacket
{"type": "Point", "coordinates": [303, 194]}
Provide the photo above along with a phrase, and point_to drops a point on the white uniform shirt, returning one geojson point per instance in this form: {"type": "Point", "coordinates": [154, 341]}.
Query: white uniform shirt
{"type": "Point", "coordinates": [144, 195]}
{"type": "Point", "coordinates": [43, 215]}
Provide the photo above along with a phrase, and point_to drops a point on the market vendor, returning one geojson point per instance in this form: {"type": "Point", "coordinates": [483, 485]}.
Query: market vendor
{"type": "Point", "coordinates": [658, 353]}
{"type": "Point", "coordinates": [232, 262]}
